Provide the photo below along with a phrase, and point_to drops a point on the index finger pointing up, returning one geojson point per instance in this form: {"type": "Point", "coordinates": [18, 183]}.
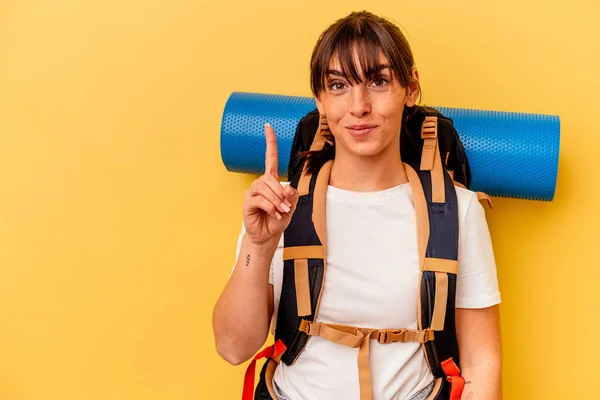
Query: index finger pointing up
{"type": "Point", "coordinates": [271, 155]}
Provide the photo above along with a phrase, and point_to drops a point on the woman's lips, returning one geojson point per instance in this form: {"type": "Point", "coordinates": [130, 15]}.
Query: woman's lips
{"type": "Point", "coordinates": [360, 131]}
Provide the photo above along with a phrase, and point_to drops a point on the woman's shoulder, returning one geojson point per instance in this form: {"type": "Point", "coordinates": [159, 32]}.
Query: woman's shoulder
{"type": "Point", "coordinates": [469, 207]}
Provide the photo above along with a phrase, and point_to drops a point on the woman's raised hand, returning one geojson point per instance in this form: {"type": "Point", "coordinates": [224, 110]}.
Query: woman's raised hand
{"type": "Point", "coordinates": [268, 206]}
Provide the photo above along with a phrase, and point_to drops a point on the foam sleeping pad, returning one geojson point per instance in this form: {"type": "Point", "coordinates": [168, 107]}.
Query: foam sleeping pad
{"type": "Point", "coordinates": [510, 154]}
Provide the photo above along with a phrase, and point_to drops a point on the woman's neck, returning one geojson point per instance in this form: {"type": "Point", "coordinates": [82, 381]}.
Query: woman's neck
{"type": "Point", "coordinates": [368, 174]}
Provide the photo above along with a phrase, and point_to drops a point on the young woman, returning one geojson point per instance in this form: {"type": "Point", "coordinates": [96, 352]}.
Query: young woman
{"type": "Point", "coordinates": [363, 76]}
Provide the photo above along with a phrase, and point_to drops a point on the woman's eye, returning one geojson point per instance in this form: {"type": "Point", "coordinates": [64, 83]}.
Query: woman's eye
{"type": "Point", "coordinates": [335, 86]}
{"type": "Point", "coordinates": [380, 81]}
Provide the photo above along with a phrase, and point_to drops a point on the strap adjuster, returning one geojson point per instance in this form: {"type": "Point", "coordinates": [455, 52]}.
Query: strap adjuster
{"type": "Point", "coordinates": [304, 326]}
{"type": "Point", "coordinates": [391, 335]}
{"type": "Point", "coordinates": [429, 129]}
{"type": "Point", "coordinates": [429, 335]}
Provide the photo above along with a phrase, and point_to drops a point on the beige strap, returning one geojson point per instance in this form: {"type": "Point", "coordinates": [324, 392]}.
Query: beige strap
{"type": "Point", "coordinates": [302, 287]}
{"type": "Point", "coordinates": [438, 191]}
{"type": "Point", "coordinates": [437, 386]}
{"type": "Point", "coordinates": [355, 337]}
{"type": "Point", "coordinates": [317, 144]}
{"type": "Point", "coordinates": [431, 159]}
{"type": "Point", "coordinates": [294, 252]}
{"type": "Point", "coordinates": [429, 136]}
{"type": "Point", "coordinates": [441, 298]}
{"type": "Point", "coordinates": [348, 336]}
{"type": "Point", "coordinates": [364, 369]}
{"type": "Point", "coordinates": [421, 212]}
{"type": "Point", "coordinates": [422, 217]}
{"type": "Point", "coordinates": [319, 195]}
{"type": "Point", "coordinates": [269, 374]}
{"type": "Point", "coordinates": [304, 182]}
{"type": "Point", "coordinates": [483, 196]}
{"type": "Point", "coordinates": [441, 265]}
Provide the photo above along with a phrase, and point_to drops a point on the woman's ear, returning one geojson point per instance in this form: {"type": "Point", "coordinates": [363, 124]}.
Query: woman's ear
{"type": "Point", "coordinates": [414, 89]}
{"type": "Point", "coordinates": [320, 106]}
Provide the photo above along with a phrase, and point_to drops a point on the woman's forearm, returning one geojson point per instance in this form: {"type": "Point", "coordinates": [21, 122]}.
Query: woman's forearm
{"type": "Point", "coordinates": [480, 347]}
{"type": "Point", "coordinates": [242, 314]}
{"type": "Point", "coordinates": [483, 382]}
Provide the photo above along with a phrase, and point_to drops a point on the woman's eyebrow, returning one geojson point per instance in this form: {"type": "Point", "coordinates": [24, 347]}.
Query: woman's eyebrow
{"type": "Point", "coordinates": [376, 70]}
{"type": "Point", "coordinates": [335, 72]}
{"type": "Point", "coordinates": [380, 68]}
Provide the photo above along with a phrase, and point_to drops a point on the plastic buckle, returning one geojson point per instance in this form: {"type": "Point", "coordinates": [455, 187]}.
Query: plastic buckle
{"type": "Point", "coordinates": [429, 335]}
{"type": "Point", "coordinates": [304, 326]}
{"type": "Point", "coordinates": [391, 335]}
{"type": "Point", "coordinates": [429, 130]}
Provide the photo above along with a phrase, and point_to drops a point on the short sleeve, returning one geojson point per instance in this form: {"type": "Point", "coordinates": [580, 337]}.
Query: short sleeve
{"type": "Point", "coordinates": [477, 282]}
{"type": "Point", "coordinates": [271, 268]}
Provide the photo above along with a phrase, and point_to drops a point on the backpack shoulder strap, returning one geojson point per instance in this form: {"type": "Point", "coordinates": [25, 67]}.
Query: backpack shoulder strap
{"type": "Point", "coordinates": [304, 256]}
{"type": "Point", "coordinates": [437, 238]}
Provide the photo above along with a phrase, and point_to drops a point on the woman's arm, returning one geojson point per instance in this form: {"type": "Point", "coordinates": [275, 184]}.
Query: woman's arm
{"type": "Point", "coordinates": [243, 312]}
{"type": "Point", "coordinates": [242, 315]}
{"type": "Point", "coordinates": [478, 333]}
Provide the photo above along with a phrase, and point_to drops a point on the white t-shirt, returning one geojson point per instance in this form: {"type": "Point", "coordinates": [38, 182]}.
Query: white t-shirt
{"type": "Point", "coordinates": [372, 281]}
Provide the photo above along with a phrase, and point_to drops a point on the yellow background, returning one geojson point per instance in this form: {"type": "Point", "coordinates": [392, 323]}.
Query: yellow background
{"type": "Point", "coordinates": [118, 221]}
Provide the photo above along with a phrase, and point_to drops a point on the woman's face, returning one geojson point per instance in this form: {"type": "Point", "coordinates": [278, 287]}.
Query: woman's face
{"type": "Point", "coordinates": [365, 117]}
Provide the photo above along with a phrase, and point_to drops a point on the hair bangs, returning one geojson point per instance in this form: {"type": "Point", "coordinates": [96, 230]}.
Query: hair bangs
{"type": "Point", "coordinates": [359, 54]}
{"type": "Point", "coordinates": [362, 44]}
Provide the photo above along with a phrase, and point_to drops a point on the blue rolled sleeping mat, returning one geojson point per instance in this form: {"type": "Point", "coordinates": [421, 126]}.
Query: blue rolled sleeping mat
{"type": "Point", "coordinates": [510, 154]}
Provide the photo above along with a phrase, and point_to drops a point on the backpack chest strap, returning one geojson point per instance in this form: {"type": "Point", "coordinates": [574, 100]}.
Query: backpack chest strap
{"type": "Point", "coordinates": [354, 337]}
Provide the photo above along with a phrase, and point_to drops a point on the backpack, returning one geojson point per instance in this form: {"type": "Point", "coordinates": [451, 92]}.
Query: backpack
{"type": "Point", "coordinates": [428, 135]}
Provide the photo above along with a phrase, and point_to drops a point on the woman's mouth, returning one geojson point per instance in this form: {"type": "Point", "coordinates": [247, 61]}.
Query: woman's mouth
{"type": "Point", "coordinates": [360, 131]}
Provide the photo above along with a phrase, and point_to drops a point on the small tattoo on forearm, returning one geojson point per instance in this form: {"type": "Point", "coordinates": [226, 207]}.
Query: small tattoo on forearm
{"type": "Point", "coordinates": [467, 382]}
{"type": "Point", "coordinates": [247, 260]}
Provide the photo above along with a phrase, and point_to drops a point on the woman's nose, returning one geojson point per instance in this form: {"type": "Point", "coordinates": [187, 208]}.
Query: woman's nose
{"type": "Point", "coordinates": [360, 102]}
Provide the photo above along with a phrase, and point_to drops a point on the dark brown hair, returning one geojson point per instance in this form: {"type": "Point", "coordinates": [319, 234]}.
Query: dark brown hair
{"type": "Point", "coordinates": [369, 36]}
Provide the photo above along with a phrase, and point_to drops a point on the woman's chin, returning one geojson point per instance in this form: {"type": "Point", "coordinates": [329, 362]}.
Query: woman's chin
{"type": "Point", "coordinates": [365, 149]}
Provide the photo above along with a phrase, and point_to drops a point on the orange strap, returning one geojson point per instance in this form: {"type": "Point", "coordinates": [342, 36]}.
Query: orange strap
{"type": "Point", "coordinates": [457, 385]}
{"type": "Point", "coordinates": [450, 368]}
{"type": "Point", "coordinates": [273, 351]}
{"type": "Point", "coordinates": [457, 382]}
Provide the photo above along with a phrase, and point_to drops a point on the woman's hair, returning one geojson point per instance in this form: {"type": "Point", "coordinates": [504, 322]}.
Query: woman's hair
{"type": "Point", "coordinates": [368, 36]}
